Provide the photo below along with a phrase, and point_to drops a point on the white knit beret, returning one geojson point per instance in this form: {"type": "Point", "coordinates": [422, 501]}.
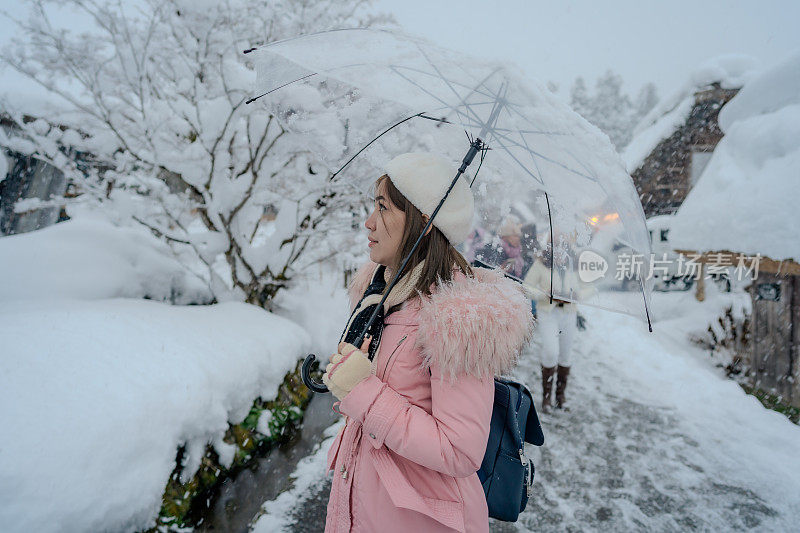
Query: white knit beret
{"type": "Point", "coordinates": [423, 178]}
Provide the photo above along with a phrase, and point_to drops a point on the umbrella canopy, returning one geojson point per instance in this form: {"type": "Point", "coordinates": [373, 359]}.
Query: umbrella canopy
{"type": "Point", "coordinates": [550, 184]}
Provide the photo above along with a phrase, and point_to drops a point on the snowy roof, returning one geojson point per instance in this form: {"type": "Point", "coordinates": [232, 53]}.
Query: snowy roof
{"type": "Point", "coordinates": [659, 222]}
{"type": "Point", "coordinates": [746, 199]}
{"type": "Point", "coordinates": [730, 71]}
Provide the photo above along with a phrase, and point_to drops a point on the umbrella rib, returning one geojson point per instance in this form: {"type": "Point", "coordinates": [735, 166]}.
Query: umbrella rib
{"type": "Point", "coordinates": [472, 90]}
{"type": "Point", "coordinates": [533, 159]}
{"type": "Point", "coordinates": [443, 102]}
{"type": "Point", "coordinates": [522, 165]}
{"type": "Point", "coordinates": [456, 108]}
{"type": "Point", "coordinates": [313, 34]}
{"type": "Point", "coordinates": [379, 136]}
{"type": "Point", "coordinates": [591, 177]}
{"type": "Point", "coordinates": [439, 77]}
{"type": "Point", "coordinates": [537, 132]}
{"type": "Point", "coordinates": [513, 142]}
{"type": "Point", "coordinates": [536, 164]}
{"type": "Point", "coordinates": [507, 103]}
{"type": "Point", "coordinates": [526, 119]}
{"type": "Point", "coordinates": [281, 87]}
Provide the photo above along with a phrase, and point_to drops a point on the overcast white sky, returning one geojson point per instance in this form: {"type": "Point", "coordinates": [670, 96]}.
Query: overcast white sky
{"type": "Point", "coordinates": [643, 40]}
{"type": "Point", "coordinates": [557, 40]}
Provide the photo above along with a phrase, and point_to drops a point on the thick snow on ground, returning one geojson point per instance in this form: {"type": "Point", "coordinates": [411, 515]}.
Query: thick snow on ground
{"type": "Point", "coordinates": [746, 199]}
{"type": "Point", "coordinates": [729, 70]}
{"type": "Point", "coordinates": [656, 439]}
{"type": "Point", "coordinates": [91, 258]}
{"type": "Point", "coordinates": [96, 397]}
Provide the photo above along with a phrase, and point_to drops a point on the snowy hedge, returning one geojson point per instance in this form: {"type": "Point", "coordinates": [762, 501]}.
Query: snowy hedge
{"type": "Point", "coordinates": [97, 396]}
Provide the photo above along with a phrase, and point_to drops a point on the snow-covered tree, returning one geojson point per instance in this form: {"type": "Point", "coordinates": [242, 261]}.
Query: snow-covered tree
{"type": "Point", "coordinates": [156, 95]}
{"type": "Point", "coordinates": [610, 109]}
{"type": "Point", "coordinates": [579, 98]}
{"type": "Point", "coordinates": [646, 100]}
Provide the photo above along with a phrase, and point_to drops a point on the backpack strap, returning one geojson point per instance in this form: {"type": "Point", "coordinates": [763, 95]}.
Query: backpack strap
{"type": "Point", "coordinates": [512, 411]}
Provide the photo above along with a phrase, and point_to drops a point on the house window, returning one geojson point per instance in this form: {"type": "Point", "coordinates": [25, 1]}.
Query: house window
{"type": "Point", "coordinates": [664, 233]}
{"type": "Point", "coordinates": [768, 291]}
{"type": "Point", "coordinates": [699, 162]}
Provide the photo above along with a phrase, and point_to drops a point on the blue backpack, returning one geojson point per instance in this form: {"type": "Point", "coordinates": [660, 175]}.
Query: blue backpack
{"type": "Point", "coordinates": [506, 473]}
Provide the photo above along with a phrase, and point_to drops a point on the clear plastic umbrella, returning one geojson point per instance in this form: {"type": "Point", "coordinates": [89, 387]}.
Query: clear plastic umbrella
{"type": "Point", "coordinates": [362, 96]}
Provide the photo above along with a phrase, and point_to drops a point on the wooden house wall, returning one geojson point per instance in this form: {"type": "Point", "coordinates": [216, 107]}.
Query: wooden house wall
{"type": "Point", "coordinates": [775, 345]}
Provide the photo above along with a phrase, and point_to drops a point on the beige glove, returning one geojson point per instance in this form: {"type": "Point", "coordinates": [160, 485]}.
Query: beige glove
{"type": "Point", "coordinates": [347, 368]}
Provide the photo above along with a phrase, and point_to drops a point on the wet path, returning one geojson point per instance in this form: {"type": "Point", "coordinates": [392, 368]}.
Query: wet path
{"type": "Point", "coordinates": [241, 498]}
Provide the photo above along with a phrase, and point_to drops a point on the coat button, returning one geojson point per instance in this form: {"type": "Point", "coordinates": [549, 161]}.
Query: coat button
{"type": "Point", "coordinates": [372, 435]}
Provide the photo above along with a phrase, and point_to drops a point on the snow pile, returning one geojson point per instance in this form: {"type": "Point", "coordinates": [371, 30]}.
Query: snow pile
{"type": "Point", "coordinates": [99, 388]}
{"type": "Point", "coordinates": [91, 259]}
{"type": "Point", "coordinates": [746, 199]}
{"type": "Point", "coordinates": [735, 441]}
{"type": "Point", "coordinates": [729, 70]}
{"type": "Point", "coordinates": [96, 397]}
{"type": "Point", "coordinates": [693, 318]}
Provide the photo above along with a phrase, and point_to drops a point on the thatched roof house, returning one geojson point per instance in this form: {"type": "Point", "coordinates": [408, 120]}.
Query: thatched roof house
{"type": "Point", "coordinates": [674, 142]}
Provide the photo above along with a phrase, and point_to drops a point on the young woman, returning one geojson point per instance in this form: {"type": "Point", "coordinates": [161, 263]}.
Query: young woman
{"type": "Point", "coordinates": [556, 327]}
{"type": "Point", "coordinates": [418, 414]}
{"type": "Point", "coordinates": [556, 322]}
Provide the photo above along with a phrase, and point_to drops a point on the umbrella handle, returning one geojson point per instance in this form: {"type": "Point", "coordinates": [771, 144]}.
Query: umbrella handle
{"type": "Point", "coordinates": [305, 373]}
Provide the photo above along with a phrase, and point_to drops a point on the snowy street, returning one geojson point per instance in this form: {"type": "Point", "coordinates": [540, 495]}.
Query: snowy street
{"type": "Point", "coordinates": [656, 439]}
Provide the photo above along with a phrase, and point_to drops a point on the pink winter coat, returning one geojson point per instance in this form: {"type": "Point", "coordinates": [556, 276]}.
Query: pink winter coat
{"type": "Point", "coordinates": [416, 430]}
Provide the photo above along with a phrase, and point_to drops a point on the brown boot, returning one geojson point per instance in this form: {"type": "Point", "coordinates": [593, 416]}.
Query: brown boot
{"type": "Point", "coordinates": [561, 385]}
{"type": "Point", "coordinates": [547, 387]}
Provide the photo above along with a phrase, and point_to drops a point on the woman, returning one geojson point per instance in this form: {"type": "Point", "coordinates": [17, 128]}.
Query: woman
{"type": "Point", "coordinates": [418, 414]}
{"type": "Point", "coordinates": [556, 322]}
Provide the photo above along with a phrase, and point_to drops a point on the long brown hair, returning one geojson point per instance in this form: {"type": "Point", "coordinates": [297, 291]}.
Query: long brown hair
{"type": "Point", "coordinates": [439, 255]}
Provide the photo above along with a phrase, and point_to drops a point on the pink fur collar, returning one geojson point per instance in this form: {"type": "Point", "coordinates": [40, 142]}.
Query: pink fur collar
{"type": "Point", "coordinates": [475, 325]}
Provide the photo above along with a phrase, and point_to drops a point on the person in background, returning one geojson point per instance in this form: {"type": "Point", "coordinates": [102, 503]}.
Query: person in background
{"type": "Point", "coordinates": [530, 246]}
{"type": "Point", "coordinates": [474, 243]}
{"type": "Point", "coordinates": [556, 322]}
{"type": "Point", "coordinates": [508, 253]}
